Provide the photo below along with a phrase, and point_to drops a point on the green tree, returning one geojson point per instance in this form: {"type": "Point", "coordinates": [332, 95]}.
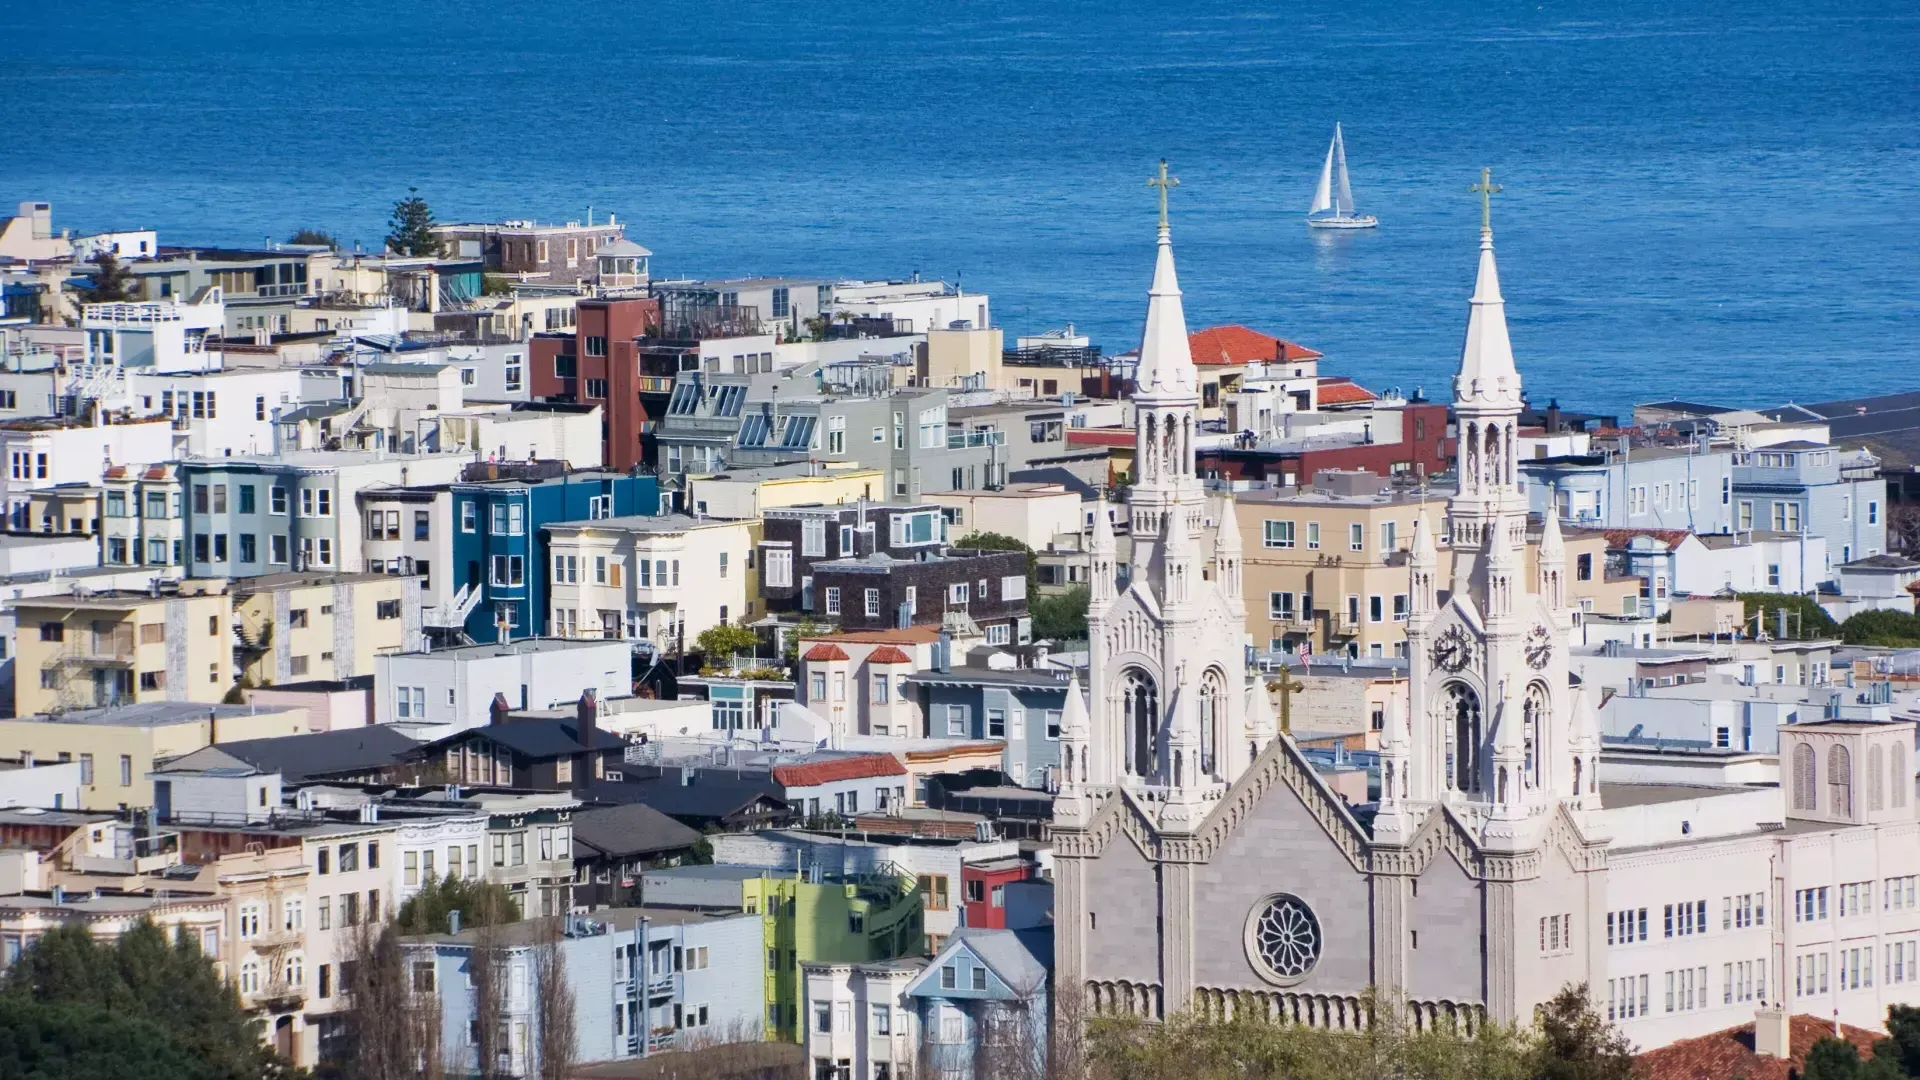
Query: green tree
{"type": "Point", "coordinates": [1831, 1059]}
{"type": "Point", "coordinates": [806, 628]}
{"type": "Point", "coordinates": [1895, 629]}
{"type": "Point", "coordinates": [1576, 1044]}
{"type": "Point", "coordinates": [480, 903]}
{"type": "Point", "coordinates": [1805, 619]}
{"type": "Point", "coordinates": [314, 236]}
{"type": "Point", "coordinates": [991, 541]}
{"type": "Point", "coordinates": [168, 996]}
{"type": "Point", "coordinates": [1901, 1047]}
{"type": "Point", "coordinates": [410, 232]}
{"type": "Point", "coordinates": [112, 282]}
{"type": "Point", "coordinates": [72, 1041]}
{"type": "Point", "coordinates": [719, 643]}
{"type": "Point", "coordinates": [1062, 617]}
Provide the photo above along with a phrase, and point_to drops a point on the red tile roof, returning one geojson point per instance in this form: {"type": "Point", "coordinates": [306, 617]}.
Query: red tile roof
{"type": "Point", "coordinates": [1335, 390]}
{"type": "Point", "coordinates": [1726, 1054]}
{"type": "Point", "coordinates": [1620, 538]}
{"type": "Point", "coordinates": [824, 651]}
{"type": "Point", "coordinates": [814, 773]}
{"type": "Point", "coordinates": [887, 654]}
{"type": "Point", "coordinates": [1100, 436]}
{"type": "Point", "coordinates": [1218, 346]}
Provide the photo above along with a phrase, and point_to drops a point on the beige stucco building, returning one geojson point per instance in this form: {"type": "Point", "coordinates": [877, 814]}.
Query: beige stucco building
{"type": "Point", "coordinates": [299, 627]}
{"type": "Point", "coordinates": [117, 747]}
{"type": "Point", "coordinates": [123, 646]}
{"type": "Point", "coordinates": [744, 493]}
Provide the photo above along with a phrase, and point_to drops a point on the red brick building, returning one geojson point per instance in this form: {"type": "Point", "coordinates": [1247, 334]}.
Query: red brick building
{"type": "Point", "coordinates": [602, 362]}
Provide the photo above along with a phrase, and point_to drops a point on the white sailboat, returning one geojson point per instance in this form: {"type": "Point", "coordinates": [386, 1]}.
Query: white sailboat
{"type": "Point", "coordinates": [1333, 199]}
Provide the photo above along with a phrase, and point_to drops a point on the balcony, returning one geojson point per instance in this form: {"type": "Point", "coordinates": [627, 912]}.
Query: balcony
{"type": "Point", "coordinates": [967, 440]}
{"type": "Point", "coordinates": [653, 384]}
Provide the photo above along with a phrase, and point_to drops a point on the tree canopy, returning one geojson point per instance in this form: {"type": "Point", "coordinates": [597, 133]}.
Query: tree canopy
{"type": "Point", "coordinates": [1895, 629]}
{"type": "Point", "coordinates": [410, 232]}
{"type": "Point", "coordinates": [1805, 619]}
{"type": "Point", "coordinates": [308, 235]}
{"type": "Point", "coordinates": [722, 641]}
{"type": "Point", "coordinates": [112, 282]}
{"type": "Point", "coordinates": [137, 1006]}
{"type": "Point", "coordinates": [480, 903]}
{"type": "Point", "coordinates": [1567, 1041]}
{"type": "Point", "coordinates": [1062, 617]}
{"type": "Point", "coordinates": [992, 541]}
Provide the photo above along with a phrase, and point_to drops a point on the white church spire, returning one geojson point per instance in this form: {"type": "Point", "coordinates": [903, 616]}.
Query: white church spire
{"type": "Point", "coordinates": [1166, 362]}
{"type": "Point", "coordinates": [1487, 372]}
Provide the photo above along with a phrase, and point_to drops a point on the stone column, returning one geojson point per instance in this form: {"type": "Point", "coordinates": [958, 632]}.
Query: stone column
{"type": "Point", "coordinates": [1391, 914]}
{"type": "Point", "coordinates": [1502, 950]}
{"type": "Point", "coordinates": [1176, 929]}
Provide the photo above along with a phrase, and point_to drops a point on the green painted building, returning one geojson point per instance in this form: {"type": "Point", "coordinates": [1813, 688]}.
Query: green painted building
{"type": "Point", "coordinates": [831, 918]}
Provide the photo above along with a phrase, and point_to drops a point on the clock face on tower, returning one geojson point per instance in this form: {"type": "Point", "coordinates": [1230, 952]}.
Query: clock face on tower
{"type": "Point", "coordinates": [1452, 650]}
{"type": "Point", "coordinates": [1539, 647]}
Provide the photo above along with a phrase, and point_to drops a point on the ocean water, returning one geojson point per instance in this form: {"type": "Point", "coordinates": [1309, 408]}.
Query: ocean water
{"type": "Point", "coordinates": [1711, 200]}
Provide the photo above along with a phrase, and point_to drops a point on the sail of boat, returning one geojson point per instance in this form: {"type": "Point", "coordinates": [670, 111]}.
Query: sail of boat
{"type": "Point", "coordinates": [1333, 198]}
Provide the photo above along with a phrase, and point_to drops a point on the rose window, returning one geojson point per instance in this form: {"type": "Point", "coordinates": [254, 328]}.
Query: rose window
{"type": "Point", "coordinates": [1284, 936]}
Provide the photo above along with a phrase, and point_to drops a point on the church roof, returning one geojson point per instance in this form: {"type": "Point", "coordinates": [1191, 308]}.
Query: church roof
{"type": "Point", "coordinates": [1730, 1053]}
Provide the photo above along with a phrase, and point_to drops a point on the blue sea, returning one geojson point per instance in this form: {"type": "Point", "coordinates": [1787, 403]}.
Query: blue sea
{"type": "Point", "coordinates": [1718, 201]}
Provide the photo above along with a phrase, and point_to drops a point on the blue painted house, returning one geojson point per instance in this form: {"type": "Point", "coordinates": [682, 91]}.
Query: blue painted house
{"type": "Point", "coordinates": [500, 561]}
{"type": "Point", "coordinates": [982, 1004]}
{"type": "Point", "coordinates": [1023, 706]}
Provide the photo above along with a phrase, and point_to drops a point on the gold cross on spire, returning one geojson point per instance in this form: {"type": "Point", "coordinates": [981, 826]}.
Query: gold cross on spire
{"type": "Point", "coordinates": [1163, 182]}
{"type": "Point", "coordinates": [1487, 189]}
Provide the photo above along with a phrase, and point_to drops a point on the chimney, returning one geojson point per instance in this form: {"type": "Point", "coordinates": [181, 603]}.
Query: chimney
{"type": "Point", "coordinates": [453, 921]}
{"type": "Point", "coordinates": [213, 725]}
{"type": "Point", "coordinates": [587, 714]}
{"type": "Point", "coordinates": [497, 712]}
{"type": "Point", "coordinates": [1772, 1032]}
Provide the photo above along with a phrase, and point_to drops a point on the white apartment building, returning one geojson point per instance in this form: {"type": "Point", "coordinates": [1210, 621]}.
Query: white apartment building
{"type": "Point", "coordinates": [857, 1017]}
{"type": "Point", "coordinates": [914, 306]}
{"type": "Point", "coordinates": [1802, 895]}
{"type": "Point", "coordinates": [663, 578]}
{"type": "Point", "coordinates": [502, 431]}
{"type": "Point", "coordinates": [158, 335]}
{"type": "Point", "coordinates": [47, 452]}
{"type": "Point", "coordinates": [446, 691]}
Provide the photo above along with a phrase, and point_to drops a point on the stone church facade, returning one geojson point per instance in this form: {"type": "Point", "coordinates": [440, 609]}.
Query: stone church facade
{"type": "Point", "coordinates": [1200, 861]}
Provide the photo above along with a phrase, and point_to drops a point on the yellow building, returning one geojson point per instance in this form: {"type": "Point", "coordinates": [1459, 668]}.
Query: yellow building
{"type": "Point", "coordinates": [117, 747]}
{"type": "Point", "coordinates": [744, 493]}
{"type": "Point", "coordinates": [300, 627]}
{"type": "Point", "coordinates": [122, 646]}
{"type": "Point", "coordinates": [956, 358]}
{"type": "Point", "coordinates": [1326, 566]}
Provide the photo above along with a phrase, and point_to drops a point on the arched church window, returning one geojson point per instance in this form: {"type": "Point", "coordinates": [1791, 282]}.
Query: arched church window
{"type": "Point", "coordinates": [1066, 760]}
{"type": "Point", "coordinates": [1803, 778]}
{"type": "Point", "coordinates": [1284, 938]}
{"type": "Point", "coordinates": [1502, 790]}
{"type": "Point", "coordinates": [1387, 789]}
{"type": "Point", "coordinates": [1140, 714]}
{"type": "Point", "coordinates": [1576, 778]}
{"type": "Point", "coordinates": [1876, 783]}
{"type": "Point", "coordinates": [1213, 719]}
{"type": "Point", "coordinates": [1463, 719]}
{"type": "Point", "coordinates": [1840, 781]}
{"type": "Point", "coordinates": [1898, 777]}
{"type": "Point", "coordinates": [1535, 721]}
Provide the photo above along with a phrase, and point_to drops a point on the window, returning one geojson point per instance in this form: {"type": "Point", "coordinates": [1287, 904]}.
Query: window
{"type": "Point", "coordinates": [956, 719]}
{"type": "Point", "coordinates": [1389, 536]}
{"type": "Point", "coordinates": [776, 569]}
{"type": "Point", "coordinates": [873, 603]}
{"type": "Point", "coordinates": [979, 978]}
{"type": "Point", "coordinates": [1583, 566]}
{"type": "Point", "coordinates": [833, 599]}
{"type": "Point", "coordinates": [1356, 537]}
{"type": "Point", "coordinates": [1013, 587]}
{"type": "Point", "coordinates": [1278, 534]}
{"type": "Point", "coordinates": [1280, 606]}
{"type": "Point", "coordinates": [996, 729]}
{"type": "Point", "coordinates": [957, 592]}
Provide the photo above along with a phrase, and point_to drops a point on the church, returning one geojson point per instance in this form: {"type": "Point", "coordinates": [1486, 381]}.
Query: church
{"type": "Point", "coordinates": [1202, 865]}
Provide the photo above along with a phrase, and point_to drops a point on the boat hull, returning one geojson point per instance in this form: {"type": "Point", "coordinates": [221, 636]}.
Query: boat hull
{"type": "Point", "coordinates": [1367, 222]}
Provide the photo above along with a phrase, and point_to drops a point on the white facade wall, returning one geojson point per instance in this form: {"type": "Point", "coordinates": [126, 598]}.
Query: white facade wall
{"type": "Point", "coordinates": [45, 786]}
{"type": "Point", "coordinates": [78, 454]}
{"type": "Point", "coordinates": [499, 434]}
{"type": "Point", "coordinates": [853, 997]}
{"type": "Point", "coordinates": [458, 685]}
{"type": "Point", "coordinates": [242, 406]}
{"type": "Point", "coordinates": [438, 849]}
